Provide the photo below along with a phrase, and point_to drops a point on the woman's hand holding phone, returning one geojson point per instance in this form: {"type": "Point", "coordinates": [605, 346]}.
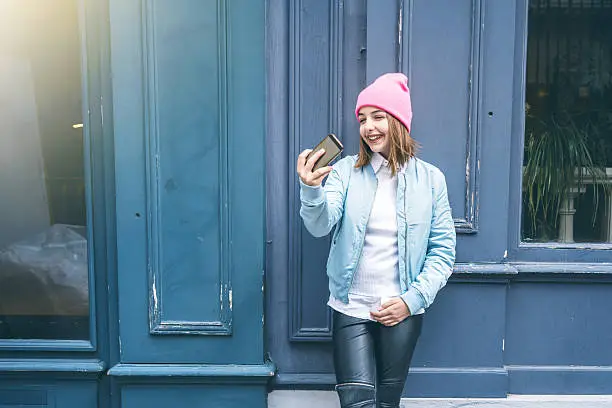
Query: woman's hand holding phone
{"type": "Point", "coordinates": [304, 168]}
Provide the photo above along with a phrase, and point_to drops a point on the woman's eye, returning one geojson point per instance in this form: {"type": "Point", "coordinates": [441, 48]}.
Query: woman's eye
{"type": "Point", "coordinates": [380, 117]}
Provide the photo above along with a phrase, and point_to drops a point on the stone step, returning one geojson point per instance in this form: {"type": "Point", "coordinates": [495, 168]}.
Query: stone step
{"type": "Point", "coordinates": [328, 399]}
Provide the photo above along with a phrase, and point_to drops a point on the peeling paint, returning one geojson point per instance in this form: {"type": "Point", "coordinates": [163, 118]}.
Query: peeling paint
{"type": "Point", "coordinates": [155, 302]}
{"type": "Point", "coordinates": [400, 28]}
{"type": "Point", "coordinates": [102, 111]}
{"type": "Point", "coordinates": [468, 169]}
{"type": "Point", "coordinates": [505, 254]}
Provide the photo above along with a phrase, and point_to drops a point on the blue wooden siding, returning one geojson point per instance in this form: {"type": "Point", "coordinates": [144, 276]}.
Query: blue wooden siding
{"type": "Point", "coordinates": [202, 269]}
{"type": "Point", "coordinates": [505, 324]}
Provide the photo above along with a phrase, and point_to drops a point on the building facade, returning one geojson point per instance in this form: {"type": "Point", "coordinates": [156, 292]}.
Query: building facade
{"type": "Point", "coordinates": [151, 250]}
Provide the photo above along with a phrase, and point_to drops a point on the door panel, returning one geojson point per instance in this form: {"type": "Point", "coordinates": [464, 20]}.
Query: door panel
{"type": "Point", "coordinates": [459, 57]}
{"type": "Point", "coordinates": [187, 161]}
{"type": "Point", "coordinates": [189, 116]}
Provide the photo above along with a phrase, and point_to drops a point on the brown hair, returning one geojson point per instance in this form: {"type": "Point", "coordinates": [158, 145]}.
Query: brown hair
{"type": "Point", "coordinates": [403, 146]}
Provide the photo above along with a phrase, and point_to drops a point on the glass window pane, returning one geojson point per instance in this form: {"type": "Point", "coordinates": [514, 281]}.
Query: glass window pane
{"type": "Point", "coordinates": [567, 165]}
{"type": "Point", "coordinates": [43, 248]}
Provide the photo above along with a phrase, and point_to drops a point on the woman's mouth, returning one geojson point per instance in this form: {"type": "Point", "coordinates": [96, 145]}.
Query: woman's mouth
{"type": "Point", "coordinates": [374, 138]}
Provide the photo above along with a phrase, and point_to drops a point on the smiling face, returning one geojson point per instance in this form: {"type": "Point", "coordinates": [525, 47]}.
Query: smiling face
{"type": "Point", "coordinates": [374, 129]}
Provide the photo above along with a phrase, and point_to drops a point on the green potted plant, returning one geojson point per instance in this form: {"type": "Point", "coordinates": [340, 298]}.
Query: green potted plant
{"type": "Point", "coordinates": [558, 160]}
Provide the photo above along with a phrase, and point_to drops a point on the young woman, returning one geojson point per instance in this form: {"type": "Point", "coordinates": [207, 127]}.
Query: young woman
{"type": "Point", "coordinates": [393, 246]}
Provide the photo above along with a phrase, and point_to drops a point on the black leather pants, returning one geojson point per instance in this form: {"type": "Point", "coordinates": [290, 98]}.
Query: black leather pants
{"type": "Point", "coordinates": [372, 360]}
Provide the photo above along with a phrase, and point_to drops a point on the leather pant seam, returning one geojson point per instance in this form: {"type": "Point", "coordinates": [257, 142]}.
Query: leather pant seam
{"type": "Point", "coordinates": [355, 383]}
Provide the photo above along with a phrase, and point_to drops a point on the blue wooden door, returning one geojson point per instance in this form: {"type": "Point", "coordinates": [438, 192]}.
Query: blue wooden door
{"type": "Point", "coordinates": [188, 88]}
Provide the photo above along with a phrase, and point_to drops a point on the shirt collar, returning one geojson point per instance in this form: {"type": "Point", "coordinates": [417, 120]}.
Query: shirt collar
{"type": "Point", "coordinates": [378, 161]}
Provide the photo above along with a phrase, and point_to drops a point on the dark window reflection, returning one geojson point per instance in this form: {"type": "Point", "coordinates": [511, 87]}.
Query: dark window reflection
{"type": "Point", "coordinates": [43, 247]}
{"type": "Point", "coordinates": [568, 136]}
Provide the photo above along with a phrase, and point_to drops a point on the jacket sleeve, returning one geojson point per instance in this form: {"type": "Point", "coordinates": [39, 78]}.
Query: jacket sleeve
{"type": "Point", "coordinates": [322, 207]}
{"type": "Point", "coordinates": [440, 255]}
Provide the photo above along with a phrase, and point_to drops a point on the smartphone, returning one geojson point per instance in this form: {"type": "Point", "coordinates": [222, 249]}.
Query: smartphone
{"type": "Point", "coordinates": [332, 147]}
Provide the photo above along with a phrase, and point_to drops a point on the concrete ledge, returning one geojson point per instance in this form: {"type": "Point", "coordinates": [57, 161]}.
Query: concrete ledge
{"type": "Point", "coordinates": [328, 399]}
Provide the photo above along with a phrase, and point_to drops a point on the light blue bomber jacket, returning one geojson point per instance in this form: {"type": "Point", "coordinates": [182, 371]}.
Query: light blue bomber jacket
{"type": "Point", "coordinates": [426, 231]}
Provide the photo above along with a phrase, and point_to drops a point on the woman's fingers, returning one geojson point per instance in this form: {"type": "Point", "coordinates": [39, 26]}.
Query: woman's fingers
{"type": "Point", "coordinates": [383, 313]}
{"type": "Point", "coordinates": [301, 162]}
{"type": "Point", "coordinates": [313, 159]}
{"type": "Point", "coordinates": [388, 322]}
{"type": "Point", "coordinates": [391, 302]}
{"type": "Point", "coordinates": [316, 178]}
{"type": "Point", "coordinates": [305, 165]}
{"type": "Point", "coordinates": [390, 315]}
{"type": "Point", "coordinates": [322, 172]}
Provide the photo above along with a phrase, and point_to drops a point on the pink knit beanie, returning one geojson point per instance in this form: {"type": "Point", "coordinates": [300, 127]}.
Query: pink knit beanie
{"type": "Point", "coordinates": [388, 92]}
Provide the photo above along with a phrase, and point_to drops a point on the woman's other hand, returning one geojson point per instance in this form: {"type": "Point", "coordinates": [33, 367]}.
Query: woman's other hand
{"type": "Point", "coordinates": [304, 168]}
{"type": "Point", "coordinates": [391, 312]}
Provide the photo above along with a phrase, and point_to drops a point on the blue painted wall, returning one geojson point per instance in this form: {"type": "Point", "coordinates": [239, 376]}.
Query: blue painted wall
{"type": "Point", "coordinates": [513, 319]}
{"type": "Point", "coordinates": [195, 114]}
